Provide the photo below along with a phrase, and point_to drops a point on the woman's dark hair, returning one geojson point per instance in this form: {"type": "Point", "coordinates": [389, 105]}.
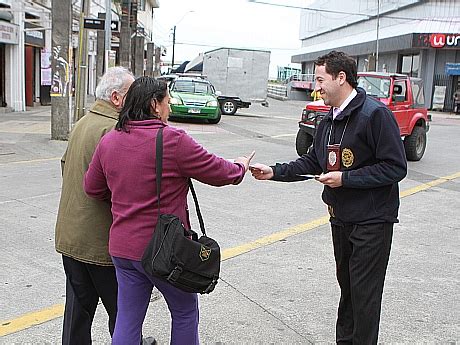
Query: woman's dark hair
{"type": "Point", "coordinates": [137, 106]}
{"type": "Point", "coordinates": [336, 62]}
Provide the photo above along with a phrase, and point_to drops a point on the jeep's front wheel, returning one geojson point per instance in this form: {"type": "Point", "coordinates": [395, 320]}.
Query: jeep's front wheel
{"type": "Point", "coordinates": [303, 142]}
{"type": "Point", "coordinates": [415, 144]}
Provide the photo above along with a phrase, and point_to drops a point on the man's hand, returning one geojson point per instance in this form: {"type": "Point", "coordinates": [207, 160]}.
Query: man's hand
{"type": "Point", "coordinates": [332, 179]}
{"type": "Point", "coordinates": [261, 171]}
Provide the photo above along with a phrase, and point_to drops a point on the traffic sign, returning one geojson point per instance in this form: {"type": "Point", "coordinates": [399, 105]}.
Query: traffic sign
{"type": "Point", "coordinates": [114, 25]}
{"type": "Point", "coordinates": [99, 24]}
{"type": "Point", "coordinates": [94, 23]}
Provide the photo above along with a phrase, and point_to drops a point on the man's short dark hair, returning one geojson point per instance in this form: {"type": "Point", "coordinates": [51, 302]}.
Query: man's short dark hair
{"type": "Point", "coordinates": [336, 62]}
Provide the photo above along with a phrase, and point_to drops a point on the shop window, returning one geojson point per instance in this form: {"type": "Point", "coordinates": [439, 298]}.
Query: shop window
{"type": "Point", "coordinates": [410, 65]}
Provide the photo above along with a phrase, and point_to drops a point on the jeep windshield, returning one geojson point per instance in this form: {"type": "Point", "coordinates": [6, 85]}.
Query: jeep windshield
{"type": "Point", "coordinates": [377, 87]}
{"type": "Point", "coordinates": [192, 86]}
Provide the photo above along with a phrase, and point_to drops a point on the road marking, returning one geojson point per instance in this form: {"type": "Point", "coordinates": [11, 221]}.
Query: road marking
{"type": "Point", "coordinates": [425, 186]}
{"type": "Point", "coordinates": [270, 239]}
{"type": "Point", "coordinates": [284, 135]}
{"type": "Point", "coordinates": [56, 311]}
{"type": "Point", "coordinates": [31, 319]}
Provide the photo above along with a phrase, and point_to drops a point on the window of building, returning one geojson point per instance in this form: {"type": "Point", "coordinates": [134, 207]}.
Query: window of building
{"type": "Point", "coordinates": [410, 65]}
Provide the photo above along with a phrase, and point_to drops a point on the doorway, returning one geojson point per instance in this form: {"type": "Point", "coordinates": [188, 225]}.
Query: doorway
{"type": "Point", "coordinates": [30, 75]}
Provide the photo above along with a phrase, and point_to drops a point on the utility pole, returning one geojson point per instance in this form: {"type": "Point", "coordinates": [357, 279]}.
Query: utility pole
{"type": "Point", "coordinates": [125, 34]}
{"type": "Point", "coordinates": [157, 69]}
{"type": "Point", "coordinates": [108, 32]}
{"type": "Point", "coordinates": [61, 100]}
{"type": "Point", "coordinates": [150, 59]}
{"type": "Point", "coordinates": [100, 51]}
{"type": "Point", "coordinates": [82, 64]}
{"type": "Point", "coordinates": [174, 44]}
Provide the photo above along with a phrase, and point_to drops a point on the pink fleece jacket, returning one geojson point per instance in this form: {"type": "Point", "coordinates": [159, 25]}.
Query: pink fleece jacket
{"type": "Point", "coordinates": [123, 171]}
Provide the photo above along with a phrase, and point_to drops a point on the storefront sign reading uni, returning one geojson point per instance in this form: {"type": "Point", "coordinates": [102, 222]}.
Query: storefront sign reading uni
{"type": "Point", "coordinates": [437, 41]}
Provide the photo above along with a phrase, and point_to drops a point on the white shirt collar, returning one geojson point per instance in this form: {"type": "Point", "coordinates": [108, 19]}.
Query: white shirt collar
{"type": "Point", "coordinates": [346, 102]}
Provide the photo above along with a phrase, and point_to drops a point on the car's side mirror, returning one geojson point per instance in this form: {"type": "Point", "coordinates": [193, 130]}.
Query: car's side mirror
{"type": "Point", "coordinates": [218, 93]}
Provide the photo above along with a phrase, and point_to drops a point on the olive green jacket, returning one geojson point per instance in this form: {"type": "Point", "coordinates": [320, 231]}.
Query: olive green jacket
{"type": "Point", "coordinates": [83, 224]}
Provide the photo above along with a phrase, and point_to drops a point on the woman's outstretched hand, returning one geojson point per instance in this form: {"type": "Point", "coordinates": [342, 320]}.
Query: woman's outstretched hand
{"type": "Point", "coordinates": [245, 160]}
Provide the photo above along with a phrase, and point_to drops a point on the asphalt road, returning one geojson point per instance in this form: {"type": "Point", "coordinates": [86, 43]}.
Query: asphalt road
{"type": "Point", "coordinates": [278, 284]}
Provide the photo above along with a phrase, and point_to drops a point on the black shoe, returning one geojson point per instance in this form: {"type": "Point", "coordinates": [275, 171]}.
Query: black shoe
{"type": "Point", "coordinates": [148, 341]}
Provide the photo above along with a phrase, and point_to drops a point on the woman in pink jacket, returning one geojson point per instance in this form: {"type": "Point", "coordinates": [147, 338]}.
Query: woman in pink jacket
{"type": "Point", "coordinates": [123, 171]}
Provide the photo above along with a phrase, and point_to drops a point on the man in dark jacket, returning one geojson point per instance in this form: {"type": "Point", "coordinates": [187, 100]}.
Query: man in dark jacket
{"type": "Point", "coordinates": [82, 227]}
{"type": "Point", "coordinates": [359, 157]}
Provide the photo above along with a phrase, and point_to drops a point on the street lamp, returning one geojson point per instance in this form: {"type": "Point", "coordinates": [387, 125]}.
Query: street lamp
{"type": "Point", "coordinates": [174, 36]}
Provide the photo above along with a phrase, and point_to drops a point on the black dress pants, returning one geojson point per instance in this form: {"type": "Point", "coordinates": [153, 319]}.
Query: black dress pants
{"type": "Point", "coordinates": [361, 255]}
{"type": "Point", "coordinates": [85, 284]}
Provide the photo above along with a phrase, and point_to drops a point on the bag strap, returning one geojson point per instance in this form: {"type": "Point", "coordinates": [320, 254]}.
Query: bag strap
{"type": "Point", "coordinates": [159, 173]}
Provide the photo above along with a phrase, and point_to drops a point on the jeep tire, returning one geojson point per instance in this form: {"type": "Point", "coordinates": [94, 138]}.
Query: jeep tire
{"type": "Point", "coordinates": [303, 142]}
{"type": "Point", "coordinates": [228, 107]}
{"type": "Point", "coordinates": [415, 144]}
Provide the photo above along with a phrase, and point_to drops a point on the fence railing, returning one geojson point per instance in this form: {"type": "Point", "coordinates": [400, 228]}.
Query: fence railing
{"type": "Point", "coordinates": [300, 77]}
{"type": "Point", "coordinates": [277, 91]}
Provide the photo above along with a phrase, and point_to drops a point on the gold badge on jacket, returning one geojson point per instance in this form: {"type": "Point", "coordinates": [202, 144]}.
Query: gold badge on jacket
{"type": "Point", "coordinates": [347, 157]}
{"type": "Point", "coordinates": [205, 253]}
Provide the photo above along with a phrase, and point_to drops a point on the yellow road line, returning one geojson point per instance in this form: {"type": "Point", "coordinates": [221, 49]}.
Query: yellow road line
{"type": "Point", "coordinates": [428, 185]}
{"type": "Point", "coordinates": [44, 315]}
{"type": "Point", "coordinates": [31, 319]}
{"type": "Point", "coordinates": [270, 239]}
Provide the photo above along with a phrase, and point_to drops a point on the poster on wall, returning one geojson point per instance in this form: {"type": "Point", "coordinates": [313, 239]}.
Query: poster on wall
{"type": "Point", "coordinates": [45, 70]}
{"type": "Point", "coordinates": [438, 97]}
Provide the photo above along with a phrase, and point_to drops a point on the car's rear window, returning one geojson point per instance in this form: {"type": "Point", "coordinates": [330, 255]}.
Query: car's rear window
{"type": "Point", "coordinates": [191, 86]}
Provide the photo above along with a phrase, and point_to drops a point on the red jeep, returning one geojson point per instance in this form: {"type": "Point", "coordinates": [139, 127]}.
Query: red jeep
{"type": "Point", "coordinates": [401, 94]}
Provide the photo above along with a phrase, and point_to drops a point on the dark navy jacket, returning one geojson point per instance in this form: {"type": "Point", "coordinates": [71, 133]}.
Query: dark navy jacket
{"type": "Point", "coordinates": [373, 162]}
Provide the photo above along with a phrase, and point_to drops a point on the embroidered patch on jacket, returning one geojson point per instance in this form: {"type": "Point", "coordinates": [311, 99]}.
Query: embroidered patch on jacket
{"type": "Point", "coordinates": [205, 253]}
{"type": "Point", "coordinates": [347, 158]}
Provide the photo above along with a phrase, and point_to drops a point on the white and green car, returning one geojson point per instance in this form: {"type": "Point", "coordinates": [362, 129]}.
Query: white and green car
{"type": "Point", "coordinates": [194, 98]}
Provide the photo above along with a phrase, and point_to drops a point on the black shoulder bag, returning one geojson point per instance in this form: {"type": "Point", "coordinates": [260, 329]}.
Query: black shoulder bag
{"type": "Point", "coordinates": [176, 254]}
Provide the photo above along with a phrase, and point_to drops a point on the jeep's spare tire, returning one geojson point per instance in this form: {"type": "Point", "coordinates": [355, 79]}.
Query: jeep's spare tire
{"type": "Point", "coordinates": [303, 142]}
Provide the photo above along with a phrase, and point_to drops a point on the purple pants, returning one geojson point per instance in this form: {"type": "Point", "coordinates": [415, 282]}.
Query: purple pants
{"type": "Point", "coordinates": [134, 291]}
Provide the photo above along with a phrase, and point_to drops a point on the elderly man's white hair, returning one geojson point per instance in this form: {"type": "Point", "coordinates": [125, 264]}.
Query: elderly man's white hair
{"type": "Point", "coordinates": [113, 80]}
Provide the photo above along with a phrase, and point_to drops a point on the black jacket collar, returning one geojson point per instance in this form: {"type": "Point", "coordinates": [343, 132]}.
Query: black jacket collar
{"type": "Point", "coordinates": [351, 107]}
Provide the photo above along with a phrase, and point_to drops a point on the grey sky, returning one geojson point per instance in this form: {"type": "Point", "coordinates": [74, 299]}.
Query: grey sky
{"type": "Point", "coordinates": [228, 23]}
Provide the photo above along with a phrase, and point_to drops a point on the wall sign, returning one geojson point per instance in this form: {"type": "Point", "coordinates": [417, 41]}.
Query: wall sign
{"type": "Point", "coordinates": [34, 38]}
{"type": "Point", "coordinates": [9, 33]}
{"type": "Point", "coordinates": [436, 40]}
{"type": "Point", "coordinates": [452, 68]}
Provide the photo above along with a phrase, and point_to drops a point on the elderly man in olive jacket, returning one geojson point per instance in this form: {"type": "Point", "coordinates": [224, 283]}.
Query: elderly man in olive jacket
{"type": "Point", "coordinates": [82, 227]}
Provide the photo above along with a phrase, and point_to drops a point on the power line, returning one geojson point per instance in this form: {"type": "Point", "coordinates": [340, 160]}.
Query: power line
{"type": "Point", "coordinates": [220, 45]}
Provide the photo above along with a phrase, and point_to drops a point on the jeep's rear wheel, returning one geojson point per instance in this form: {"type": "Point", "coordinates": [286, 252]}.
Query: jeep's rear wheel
{"type": "Point", "coordinates": [303, 142]}
{"type": "Point", "coordinates": [415, 144]}
{"type": "Point", "coordinates": [228, 107]}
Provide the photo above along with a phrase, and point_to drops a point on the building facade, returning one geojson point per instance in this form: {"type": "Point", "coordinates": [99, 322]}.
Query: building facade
{"type": "Point", "coordinates": [420, 38]}
{"type": "Point", "coordinates": [25, 43]}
